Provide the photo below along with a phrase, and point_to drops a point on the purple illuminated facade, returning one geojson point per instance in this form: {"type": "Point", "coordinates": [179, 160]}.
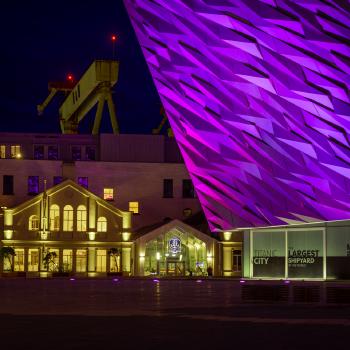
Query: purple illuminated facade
{"type": "Point", "coordinates": [257, 94]}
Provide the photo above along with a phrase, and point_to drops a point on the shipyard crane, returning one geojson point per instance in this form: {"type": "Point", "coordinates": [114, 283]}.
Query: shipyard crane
{"type": "Point", "coordinates": [94, 87]}
{"type": "Point", "coordinates": [158, 130]}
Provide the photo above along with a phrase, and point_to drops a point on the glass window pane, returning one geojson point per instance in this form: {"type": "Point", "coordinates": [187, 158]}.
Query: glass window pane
{"type": "Point", "coordinates": [33, 185]}
{"type": "Point", "coordinates": [108, 194]}
{"type": "Point", "coordinates": [168, 188]}
{"type": "Point", "coordinates": [52, 152]}
{"type": "Point", "coordinates": [268, 254]}
{"type": "Point", "coordinates": [76, 152]}
{"type": "Point", "coordinates": [39, 152]}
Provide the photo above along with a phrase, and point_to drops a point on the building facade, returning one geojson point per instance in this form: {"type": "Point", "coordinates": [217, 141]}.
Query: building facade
{"type": "Point", "coordinates": [141, 173]}
{"type": "Point", "coordinates": [68, 230]}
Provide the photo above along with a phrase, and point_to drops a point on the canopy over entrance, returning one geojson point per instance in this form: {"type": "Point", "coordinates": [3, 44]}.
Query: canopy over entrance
{"type": "Point", "coordinates": [175, 249]}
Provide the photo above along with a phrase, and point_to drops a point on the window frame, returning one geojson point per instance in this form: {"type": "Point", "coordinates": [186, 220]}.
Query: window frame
{"type": "Point", "coordinates": [68, 222]}
{"type": "Point", "coordinates": [135, 204]}
{"type": "Point", "coordinates": [81, 218]}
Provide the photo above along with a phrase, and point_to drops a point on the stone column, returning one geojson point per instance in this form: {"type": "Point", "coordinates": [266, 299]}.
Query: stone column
{"type": "Point", "coordinates": [108, 261]}
{"type": "Point", "coordinates": [60, 259]}
{"type": "Point", "coordinates": [74, 262]}
{"type": "Point", "coordinates": [91, 259]}
{"type": "Point", "coordinates": [26, 259]}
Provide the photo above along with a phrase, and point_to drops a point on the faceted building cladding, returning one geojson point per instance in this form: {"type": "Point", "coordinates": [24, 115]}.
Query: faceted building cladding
{"type": "Point", "coordinates": [257, 94]}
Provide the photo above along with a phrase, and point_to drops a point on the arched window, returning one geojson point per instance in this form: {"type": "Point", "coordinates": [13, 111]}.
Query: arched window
{"type": "Point", "coordinates": [101, 224]}
{"type": "Point", "coordinates": [81, 218]}
{"type": "Point", "coordinates": [54, 217]}
{"type": "Point", "coordinates": [68, 218]}
{"type": "Point", "coordinates": [33, 223]}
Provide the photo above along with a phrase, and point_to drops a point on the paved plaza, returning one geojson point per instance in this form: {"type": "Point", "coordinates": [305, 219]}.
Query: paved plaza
{"type": "Point", "coordinates": [151, 313]}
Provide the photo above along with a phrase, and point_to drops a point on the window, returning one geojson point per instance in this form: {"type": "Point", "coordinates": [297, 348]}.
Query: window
{"type": "Point", "coordinates": [57, 180]}
{"type": "Point", "coordinates": [187, 189]}
{"type": "Point", "coordinates": [90, 153]}
{"type": "Point", "coordinates": [67, 260]}
{"type": "Point", "coordinates": [236, 260]}
{"type": "Point", "coordinates": [81, 260]}
{"type": "Point", "coordinates": [33, 260]}
{"type": "Point", "coordinates": [108, 194]}
{"type": "Point", "coordinates": [83, 181]}
{"type": "Point", "coordinates": [33, 185]}
{"type": "Point", "coordinates": [54, 217]}
{"type": "Point", "coordinates": [38, 152]}
{"type": "Point", "coordinates": [76, 152]}
{"type": "Point", "coordinates": [81, 218]}
{"type": "Point", "coordinates": [134, 207]}
{"type": "Point", "coordinates": [52, 152]}
{"type": "Point", "coordinates": [68, 218]}
{"type": "Point", "coordinates": [101, 224]}
{"type": "Point", "coordinates": [33, 223]}
{"type": "Point", "coordinates": [3, 151]}
{"type": "Point", "coordinates": [7, 185]}
{"type": "Point", "coordinates": [101, 260]}
{"type": "Point", "coordinates": [16, 151]}
{"type": "Point", "coordinates": [168, 188]}
{"type": "Point", "coordinates": [19, 260]}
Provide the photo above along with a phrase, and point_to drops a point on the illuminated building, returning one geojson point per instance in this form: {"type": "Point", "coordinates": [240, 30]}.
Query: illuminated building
{"type": "Point", "coordinates": [257, 95]}
{"type": "Point", "coordinates": [104, 194]}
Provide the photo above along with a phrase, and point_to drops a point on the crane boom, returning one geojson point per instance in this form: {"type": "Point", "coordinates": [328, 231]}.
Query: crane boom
{"type": "Point", "coordinates": [94, 87]}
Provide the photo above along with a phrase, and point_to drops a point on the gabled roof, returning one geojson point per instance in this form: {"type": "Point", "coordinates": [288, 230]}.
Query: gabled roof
{"type": "Point", "coordinates": [61, 187]}
{"type": "Point", "coordinates": [166, 226]}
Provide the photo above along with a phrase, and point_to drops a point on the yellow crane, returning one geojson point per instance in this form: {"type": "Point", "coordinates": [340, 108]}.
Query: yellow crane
{"type": "Point", "coordinates": [94, 87]}
{"type": "Point", "coordinates": [158, 130]}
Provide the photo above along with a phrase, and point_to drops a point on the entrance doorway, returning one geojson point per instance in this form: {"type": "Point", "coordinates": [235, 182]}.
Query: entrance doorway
{"type": "Point", "coordinates": [175, 268]}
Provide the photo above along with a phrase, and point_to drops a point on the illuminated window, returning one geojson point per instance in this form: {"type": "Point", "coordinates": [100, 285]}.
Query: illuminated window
{"type": "Point", "coordinates": [68, 218]}
{"type": "Point", "coordinates": [33, 223]}
{"type": "Point", "coordinates": [54, 217]}
{"type": "Point", "coordinates": [108, 194]}
{"type": "Point", "coordinates": [3, 151]}
{"type": "Point", "coordinates": [16, 151]}
{"type": "Point", "coordinates": [81, 218]}
{"type": "Point", "coordinates": [101, 259]}
{"type": "Point", "coordinates": [67, 260]}
{"type": "Point", "coordinates": [19, 260]}
{"type": "Point", "coordinates": [236, 260]}
{"type": "Point", "coordinates": [81, 260]}
{"type": "Point", "coordinates": [101, 224]}
{"type": "Point", "coordinates": [33, 260]}
{"type": "Point", "coordinates": [134, 207]}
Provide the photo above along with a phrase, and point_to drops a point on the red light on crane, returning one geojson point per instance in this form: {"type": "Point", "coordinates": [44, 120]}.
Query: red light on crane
{"type": "Point", "coordinates": [114, 38]}
{"type": "Point", "coordinates": [70, 77]}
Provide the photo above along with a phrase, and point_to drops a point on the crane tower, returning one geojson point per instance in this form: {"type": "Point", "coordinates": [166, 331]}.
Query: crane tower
{"type": "Point", "coordinates": [94, 87]}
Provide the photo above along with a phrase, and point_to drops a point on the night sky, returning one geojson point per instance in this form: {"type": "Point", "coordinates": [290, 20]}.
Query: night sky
{"type": "Point", "coordinates": [43, 41]}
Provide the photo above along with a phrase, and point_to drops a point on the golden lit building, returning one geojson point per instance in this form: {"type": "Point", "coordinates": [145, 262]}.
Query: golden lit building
{"type": "Point", "coordinates": [68, 230]}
